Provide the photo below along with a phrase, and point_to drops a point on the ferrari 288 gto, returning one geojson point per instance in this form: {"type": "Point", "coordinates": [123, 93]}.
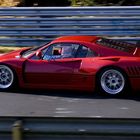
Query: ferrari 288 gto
{"type": "Point", "coordinates": [85, 63]}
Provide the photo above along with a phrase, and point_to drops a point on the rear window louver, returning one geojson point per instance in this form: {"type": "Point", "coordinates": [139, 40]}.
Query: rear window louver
{"type": "Point", "coordinates": [119, 45]}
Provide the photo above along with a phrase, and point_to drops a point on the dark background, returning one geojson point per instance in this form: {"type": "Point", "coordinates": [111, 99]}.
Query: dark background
{"type": "Point", "coordinates": [44, 3]}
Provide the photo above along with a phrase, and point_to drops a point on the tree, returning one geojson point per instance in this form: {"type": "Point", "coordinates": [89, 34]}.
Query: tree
{"type": "Point", "coordinates": [117, 2]}
{"type": "Point", "coordinates": [82, 2]}
{"type": "Point", "coordinates": [130, 2]}
{"type": "Point", "coordinates": [9, 3]}
{"type": "Point", "coordinates": [43, 3]}
{"type": "Point", "coordinates": [104, 2]}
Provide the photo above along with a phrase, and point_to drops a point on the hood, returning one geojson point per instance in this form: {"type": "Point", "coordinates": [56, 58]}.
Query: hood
{"type": "Point", "coordinates": [12, 54]}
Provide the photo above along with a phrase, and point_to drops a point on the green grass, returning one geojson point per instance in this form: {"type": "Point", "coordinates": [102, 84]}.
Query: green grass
{"type": "Point", "coordinates": [7, 49]}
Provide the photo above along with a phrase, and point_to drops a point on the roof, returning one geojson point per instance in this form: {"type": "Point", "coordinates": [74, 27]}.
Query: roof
{"type": "Point", "coordinates": [77, 38]}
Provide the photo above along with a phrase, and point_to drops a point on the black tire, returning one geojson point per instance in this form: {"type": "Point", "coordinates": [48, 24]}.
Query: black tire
{"type": "Point", "coordinates": [8, 78]}
{"type": "Point", "coordinates": [111, 82]}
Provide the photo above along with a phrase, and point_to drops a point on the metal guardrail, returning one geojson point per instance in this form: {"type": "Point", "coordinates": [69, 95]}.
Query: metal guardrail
{"type": "Point", "coordinates": [34, 26]}
{"type": "Point", "coordinates": [39, 128]}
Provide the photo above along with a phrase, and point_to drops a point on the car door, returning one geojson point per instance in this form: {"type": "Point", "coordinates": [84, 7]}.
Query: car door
{"type": "Point", "coordinates": [50, 72]}
{"type": "Point", "coordinates": [54, 71]}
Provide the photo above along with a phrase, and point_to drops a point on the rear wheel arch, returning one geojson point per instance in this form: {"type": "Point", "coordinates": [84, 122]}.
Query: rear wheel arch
{"type": "Point", "coordinates": [97, 76]}
{"type": "Point", "coordinates": [111, 67]}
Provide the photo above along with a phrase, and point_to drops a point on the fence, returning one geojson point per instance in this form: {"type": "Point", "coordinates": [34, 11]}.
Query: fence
{"type": "Point", "coordinates": [39, 128]}
{"type": "Point", "coordinates": [34, 26]}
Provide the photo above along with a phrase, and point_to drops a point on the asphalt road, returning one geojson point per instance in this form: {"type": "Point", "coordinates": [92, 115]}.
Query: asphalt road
{"type": "Point", "coordinates": [67, 104]}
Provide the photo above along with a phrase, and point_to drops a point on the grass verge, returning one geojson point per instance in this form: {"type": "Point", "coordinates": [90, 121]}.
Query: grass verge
{"type": "Point", "coordinates": [7, 49]}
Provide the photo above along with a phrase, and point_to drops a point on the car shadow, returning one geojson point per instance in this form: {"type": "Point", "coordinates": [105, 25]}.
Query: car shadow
{"type": "Point", "coordinates": [77, 94]}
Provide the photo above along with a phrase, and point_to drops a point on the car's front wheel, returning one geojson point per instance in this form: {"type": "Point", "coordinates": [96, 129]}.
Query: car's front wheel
{"type": "Point", "coordinates": [7, 77]}
{"type": "Point", "coordinates": [112, 82]}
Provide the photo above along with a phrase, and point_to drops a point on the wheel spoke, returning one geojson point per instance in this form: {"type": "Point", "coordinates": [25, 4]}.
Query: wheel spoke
{"type": "Point", "coordinates": [112, 81]}
{"type": "Point", "coordinates": [6, 77]}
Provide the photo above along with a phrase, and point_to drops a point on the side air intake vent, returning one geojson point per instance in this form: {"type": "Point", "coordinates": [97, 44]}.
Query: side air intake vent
{"type": "Point", "coordinates": [133, 70]}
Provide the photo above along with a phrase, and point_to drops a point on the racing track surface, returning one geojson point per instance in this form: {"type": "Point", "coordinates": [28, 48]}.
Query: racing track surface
{"type": "Point", "coordinates": [67, 104]}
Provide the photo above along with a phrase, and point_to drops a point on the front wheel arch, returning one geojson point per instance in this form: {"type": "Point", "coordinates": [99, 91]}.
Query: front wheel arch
{"type": "Point", "coordinates": [14, 85]}
{"type": "Point", "coordinates": [127, 84]}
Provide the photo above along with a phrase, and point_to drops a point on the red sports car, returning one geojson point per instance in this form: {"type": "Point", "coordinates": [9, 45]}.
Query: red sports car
{"type": "Point", "coordinates": [81, 63]}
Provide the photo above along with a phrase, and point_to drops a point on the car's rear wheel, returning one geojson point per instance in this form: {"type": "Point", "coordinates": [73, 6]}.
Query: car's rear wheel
{"type": "Point", "coordinates": [112, 82]}
{"type": "Point", "coordinates": [7, 77]}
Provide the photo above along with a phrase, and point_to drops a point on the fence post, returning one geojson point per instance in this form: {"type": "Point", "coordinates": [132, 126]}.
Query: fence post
{"type": "Point", "coordinates": [17, 131]}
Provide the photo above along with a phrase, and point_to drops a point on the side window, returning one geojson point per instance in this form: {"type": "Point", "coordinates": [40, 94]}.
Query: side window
{"type": "Point", "coordinates": [66, 50]}
{"type": "Point", "coordinates": [52, 52]}
{"type": "Point", "coordinates": [69, 50]}
{"type": "Point", "coordinates": [83, 52]}
{"type": "Point", "coordinates": [91, 53]}
{"type": "Point", "coordinates": [60, 51]}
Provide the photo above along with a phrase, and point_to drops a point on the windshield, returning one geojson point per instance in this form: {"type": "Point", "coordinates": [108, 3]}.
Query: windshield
{"type": "Point", "coordinates": [30, 51]}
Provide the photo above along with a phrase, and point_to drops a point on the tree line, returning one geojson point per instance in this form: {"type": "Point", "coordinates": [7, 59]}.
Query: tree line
{"type": "Point", "coordinates": [42, 3]}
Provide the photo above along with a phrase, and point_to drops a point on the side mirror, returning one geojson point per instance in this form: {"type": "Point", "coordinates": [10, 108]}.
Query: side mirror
{"type": "Point", "coordinates": [39, 54]}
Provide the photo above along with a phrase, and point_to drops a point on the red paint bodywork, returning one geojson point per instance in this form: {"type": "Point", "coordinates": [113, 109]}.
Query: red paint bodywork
{"type": "Point", "coordinates": [73, 73]}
